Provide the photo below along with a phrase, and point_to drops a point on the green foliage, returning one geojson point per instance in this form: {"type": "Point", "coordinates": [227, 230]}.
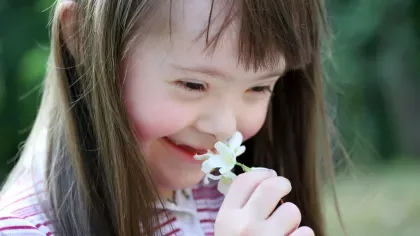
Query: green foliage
{"type": "Point", "coordinates": [33, 65]}
{"type": "Point", "coordinates": [374, 65]}
{"type": "Point", "coordinates": [22, 67]}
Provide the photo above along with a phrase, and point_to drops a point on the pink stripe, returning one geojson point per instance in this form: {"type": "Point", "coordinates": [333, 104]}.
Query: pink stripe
{"type": "Point", "coordinates": [208, 196]}
{"type": "Point", "coordinates": [17, 227]}
{"type": "Point", "coordinates": [9, 217]}
{"type": "Point", "coordinates": [166, 223]}
{"type": "Point", "coordinates": [200, 188]}
{"type": "Point", "coordinates": [37, 226]}
{"type": "Point", "coordinates": [207, 221]}
{"type": "Point", "coordinates": [173, 232]}
{"type": "Point", "coordinates": [212, 188]}
{"type": "Point", "coordinates": [43, 224]}
{"type": "Point", "coordinates": [208, 209]}
{"type": "Point", "coordinates": [206, 190]}
{"type": "Point", "coordinates": [204, 187]}
{"type": "Point", "coordinates": [49, 234]}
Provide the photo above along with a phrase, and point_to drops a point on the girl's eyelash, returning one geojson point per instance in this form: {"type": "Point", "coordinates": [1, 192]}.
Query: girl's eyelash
{"type": "Point", "coordinates": [261, 89]}
{"type": "Point", "coordinates": [198, 87]}
{"type": "Point", "coordinates": [191, 86]}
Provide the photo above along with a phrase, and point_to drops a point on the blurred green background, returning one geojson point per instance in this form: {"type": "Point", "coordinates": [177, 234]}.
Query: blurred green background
{"type": "Point", "coordinates": [373, 96]}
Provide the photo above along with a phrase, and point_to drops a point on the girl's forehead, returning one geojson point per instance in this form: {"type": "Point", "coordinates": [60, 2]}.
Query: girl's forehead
{"type": "Point", "coordinates": [191, 18]}
{"type": "Point", "coordinates": [186, 36]}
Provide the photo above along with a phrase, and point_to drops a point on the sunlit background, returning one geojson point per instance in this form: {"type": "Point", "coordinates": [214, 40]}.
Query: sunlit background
{"type": "Point", "coordinates": [373, 95]}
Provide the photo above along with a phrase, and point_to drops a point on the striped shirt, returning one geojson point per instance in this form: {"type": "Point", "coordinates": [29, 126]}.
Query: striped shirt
{"type": "Point", "coordinates": [21, 212]}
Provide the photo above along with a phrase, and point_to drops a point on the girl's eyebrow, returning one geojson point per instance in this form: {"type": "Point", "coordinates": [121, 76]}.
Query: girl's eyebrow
{"type": "Point", "coordinates": [214, 72]}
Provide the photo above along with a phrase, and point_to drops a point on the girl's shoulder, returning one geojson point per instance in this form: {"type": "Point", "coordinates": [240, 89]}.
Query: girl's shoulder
{"type": "Point", "coordinates": [22, 209]}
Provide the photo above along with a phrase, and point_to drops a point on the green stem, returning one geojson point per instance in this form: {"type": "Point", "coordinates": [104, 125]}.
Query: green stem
{"type": "Point", "coordinates": [244, 167]}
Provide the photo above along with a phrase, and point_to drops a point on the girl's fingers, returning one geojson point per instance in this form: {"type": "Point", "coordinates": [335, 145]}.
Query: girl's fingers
{"type": "Point", "coordinates": [303, 231]}
{"type": "Point", "coordinates": [266, 197]}
{"type": "Point", "coordinates": [243, 186]}
{"type": "Point", "coordinates": [285, 219]}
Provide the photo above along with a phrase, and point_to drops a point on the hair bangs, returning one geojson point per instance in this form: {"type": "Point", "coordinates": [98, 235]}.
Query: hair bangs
{"type": "Point", "coordinates": [270, 30]}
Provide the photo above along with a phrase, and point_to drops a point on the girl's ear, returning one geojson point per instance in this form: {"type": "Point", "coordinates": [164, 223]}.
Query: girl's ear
{"type": "Point", "coordinates": [67, 12]}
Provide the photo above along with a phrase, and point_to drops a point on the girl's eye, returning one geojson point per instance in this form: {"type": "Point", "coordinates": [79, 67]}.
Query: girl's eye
{"type": "Point", "coordinates": [191, 86]}
{"type": "Point", "coordinates": [261, 89]}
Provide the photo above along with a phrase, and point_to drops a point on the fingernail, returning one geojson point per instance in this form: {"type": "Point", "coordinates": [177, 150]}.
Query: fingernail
{"type": "Point", "coordinates": [260, 169]}
{"type": "Point", "coordinates": [273, 172]}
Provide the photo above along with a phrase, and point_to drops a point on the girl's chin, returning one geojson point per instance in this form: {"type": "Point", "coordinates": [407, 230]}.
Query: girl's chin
{"type": "Point", "coordinates": [189, 181]}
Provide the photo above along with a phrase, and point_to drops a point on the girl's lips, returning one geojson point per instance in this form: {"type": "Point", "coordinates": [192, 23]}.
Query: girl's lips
{"type": "Point", "coordinates": [190, 151]}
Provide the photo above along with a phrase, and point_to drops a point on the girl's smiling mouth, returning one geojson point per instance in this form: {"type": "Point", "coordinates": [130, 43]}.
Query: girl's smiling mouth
{"type": "Point", "coordinates": [186, 151]}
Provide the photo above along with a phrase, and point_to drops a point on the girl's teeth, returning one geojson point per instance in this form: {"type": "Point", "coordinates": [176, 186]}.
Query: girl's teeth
{"type": "Point", "coordinates": [175, 142]}
{"type": "Point", "coordinates": [201, 152]}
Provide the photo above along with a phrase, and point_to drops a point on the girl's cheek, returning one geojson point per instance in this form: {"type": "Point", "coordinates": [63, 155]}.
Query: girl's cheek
{"type": "Point", "coordinates": [157, 119]}
{"type": "Point", "coordinates": [253, 124]}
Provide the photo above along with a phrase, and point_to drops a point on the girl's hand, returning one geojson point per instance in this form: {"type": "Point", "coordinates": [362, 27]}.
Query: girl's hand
{"type": "Point", "coordinates": [249, 204]}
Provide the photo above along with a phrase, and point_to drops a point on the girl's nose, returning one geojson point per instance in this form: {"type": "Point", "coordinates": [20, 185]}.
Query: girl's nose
{"type": "Point", "coordinates": [220, 123]}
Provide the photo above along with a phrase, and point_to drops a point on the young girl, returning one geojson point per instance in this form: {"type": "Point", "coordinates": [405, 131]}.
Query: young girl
{"type": "Point", "coordinates": [136, 88]}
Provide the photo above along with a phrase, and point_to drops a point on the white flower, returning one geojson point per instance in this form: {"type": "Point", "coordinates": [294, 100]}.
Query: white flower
{"type": "Point", "coordinates": [225, 158]}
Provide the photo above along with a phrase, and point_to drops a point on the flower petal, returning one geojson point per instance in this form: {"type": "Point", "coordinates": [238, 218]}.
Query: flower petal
{"type": "Point", "coordinates": [240, 150]}
{"type": "Point", "coordinates": [206, 167]}
{"type": "Point", "coordinates": [202, 156]}
{"type": "Point", "coordinates": [217, 160]}
{"type": "Point", "coordinates": [211, 176]}
{"type": "Point", "coordinates": [236, 140]}
{"type": "Point", "coordinates": [222, 148]}
{"type": "Point", "coordinates": [212, 163]}
{"type": "Point", "coordinates": [214, 177]}
{"type": "Point", "coordinates": [230, 175]}
{"type": "Point", "coordinates": [225, 169]}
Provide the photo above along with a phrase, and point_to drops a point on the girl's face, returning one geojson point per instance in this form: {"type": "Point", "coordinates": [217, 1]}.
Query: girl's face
{"type": "Point", "coordinates": [183, 100]}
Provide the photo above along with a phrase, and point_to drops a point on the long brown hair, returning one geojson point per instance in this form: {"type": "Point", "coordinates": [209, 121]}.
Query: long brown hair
{"type": "Point", "coordinates": [97, 179]}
